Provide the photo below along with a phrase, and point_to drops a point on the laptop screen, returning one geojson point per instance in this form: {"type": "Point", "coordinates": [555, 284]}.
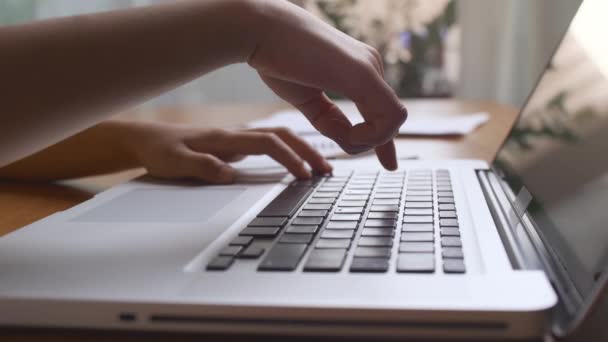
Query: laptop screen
{"type": "Point", "coordinates": [558, 149]}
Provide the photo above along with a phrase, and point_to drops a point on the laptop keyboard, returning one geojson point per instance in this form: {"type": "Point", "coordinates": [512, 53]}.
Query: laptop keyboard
{"type": "Point", "coordinates": [361, 221]}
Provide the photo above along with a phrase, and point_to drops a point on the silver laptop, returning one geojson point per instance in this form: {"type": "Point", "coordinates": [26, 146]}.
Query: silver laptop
{"type": "Point", "coordinates": [450, 248]}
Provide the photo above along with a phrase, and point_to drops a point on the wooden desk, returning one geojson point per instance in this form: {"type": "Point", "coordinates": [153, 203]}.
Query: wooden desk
{"type": "Point", "coordinates": [23, 203]}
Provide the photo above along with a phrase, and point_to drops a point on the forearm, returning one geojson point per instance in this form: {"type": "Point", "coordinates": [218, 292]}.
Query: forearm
{"type": "Point", "coordinates": [60, 76]}
{"type": "Point", "coordinates": [104, 148]}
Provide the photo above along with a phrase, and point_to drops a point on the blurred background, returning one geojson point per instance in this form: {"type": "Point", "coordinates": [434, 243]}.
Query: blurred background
{"type": "Point", "coordinates": [471, 49]}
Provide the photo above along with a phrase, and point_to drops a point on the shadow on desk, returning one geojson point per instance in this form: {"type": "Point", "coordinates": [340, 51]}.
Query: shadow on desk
{"type": "Point", "coordinates": [23, 203]}
{"type": "Point", "coordinates": [22, 335]}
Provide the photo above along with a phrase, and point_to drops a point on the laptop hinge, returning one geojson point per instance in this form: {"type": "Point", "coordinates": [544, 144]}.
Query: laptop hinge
{"type": "Point", "coordinates": [523, 243]}
{"type": "Point", "coordinates": [522, 201]}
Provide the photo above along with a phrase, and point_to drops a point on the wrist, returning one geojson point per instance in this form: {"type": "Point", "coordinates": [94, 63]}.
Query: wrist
{"type": "Point", "coordinates": [229, 29]}
{"type": "Point", "coordinates": [125, 138]}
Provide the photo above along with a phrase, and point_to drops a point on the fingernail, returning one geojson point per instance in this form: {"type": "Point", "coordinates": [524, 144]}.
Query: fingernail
{"type": "Point", "coordinates": [306, 174]}
{"type": "Point", "coordinates": [327, 166]}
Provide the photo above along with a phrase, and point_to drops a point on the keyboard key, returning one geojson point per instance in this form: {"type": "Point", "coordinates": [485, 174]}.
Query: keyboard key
{"type": "Point", "coordinates": [388, 189]}
{"type": "Point", "coordinates": [326, 194]}
{"type": "Point", "coordinates": [418, 219]}
{"type": "Point", "coordinates": [448, 222]}
{"type": "Point", "coordinates": [333, 243]}
{"type": "Point", "coordinates": [388, 181]}
{"type": "Point", "coordinates": [417, 227]}
{"type": "Point", "coordinates": [447, 214]}
{"type": "Point", "coordinates": [307, 221]}
{"type": "Point", "coordinates": [451, 241]}
{"type": "Point", "coordinates": [360, 187]}
{"type": "Point", "coordinates": [373, 252]}
{"type": "Point", "coordinates": [268, 222]}
{"type": "Point", "coordinates": [336, 180]}
{"type": "Point", "coordinates": [260, 232]}
{"type": "Point", "coordinates": [452, 252]}
{"type": "Point", "coordinates": [220, 263]}
{"type": "Point", "coordinates": [302, 229]}
{"type": "Point", "coordinates": [447, 207]}
{"type": "Point", "coordinates": [366, 180]}
{"type": "Point", "coordinates": [354, 198]}
{"type": "Point", "coordinates": [377, 232]}
{"type": "Point", "coordinates": [445, 194]}
{"type": "Point", "coordinates": [443, 200]}
{"type": "Point", "coordinates": [428, 187]}
{"type": "Point", "coordinates": [330, 189]}
{"type": "Point", "coordinates": [418, 211]}
{"type": "Point", "coordinates": [420, 180]}
{"type": "Point", "coordinates": [382, 201]}
{"type": "Point", "coordinates": [369, 265]}
{"type": "Point", "coordinates": [419, 205]}
{"type": "Point", "coordinates": [351, 204]}
{"type": "Point", "coordinates": [385, 208]}
{"type": "Point", "coordinates": [380, 223]}
{"type": "Point", "coordinates": [416, 262]}
{"type": "Point", "coordinates": [357, 192]}
{"type": "Point", "coordinates": [450, 231]}
{"type": "Point", "coordinates": [453, 266]}
{"type": "Point", "coordinates": [416, 247]}
{"type": "Point", "coordinates": [321, 200]}
{"type": "Point", "coordinates": [311, 206]}
{"type": "Point", "coordinates": [325, 260]}
{"type": "Point", "coordinates": [231, 250]}
{"type": "Point", "coordinates": [418, 236]}
{"type": "Point", "coordinates": [373, 241]}
{"type": "Point", "coordinates": [283, 257]}
{"type": "Point", "coordinates": [312, 213]}
{"type": "Point", "coordinates": [338, 234]}
{"type": "Point", "coordinates": [308, 183]}
{"type": "Point", "coordinates": [419, 198]}
{"type": "Point", "coordinates": [444, 188]}
{"type": "Point", "coordinates": [419, 193]}
{"type": "Point", "coordinates": [287, 202]}
{"type": "Point", "coordinates": [342, 224]}
{"type": "Point", "coordinates": [388, 195]}
{"type": "Point", "coordinates": [382, 215]}
{"type": "Point", "coordinates": [345, 217]}
{"type": "Point", "coordinates": [252, 252]}
{"type": "Point", "coordinates": [349, 210]}
{"type": "Point", "coordinates": [296, 238]}
{"type": "Point", "coordinates": [241, 241]}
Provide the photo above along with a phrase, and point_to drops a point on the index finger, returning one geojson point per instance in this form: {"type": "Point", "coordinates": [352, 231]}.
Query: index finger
{"type": "Point", "coordinates": [383, 113]}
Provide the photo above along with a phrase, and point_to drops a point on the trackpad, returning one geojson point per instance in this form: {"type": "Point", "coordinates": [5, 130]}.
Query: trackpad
{"type": "Point", "coordinates": [163, 205]}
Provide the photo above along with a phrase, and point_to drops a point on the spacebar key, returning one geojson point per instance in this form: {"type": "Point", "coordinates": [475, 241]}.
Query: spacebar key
{"type": "Point", "coordinates": [283, 257]}
{"type": "Point", "coordinates": [287, 202]}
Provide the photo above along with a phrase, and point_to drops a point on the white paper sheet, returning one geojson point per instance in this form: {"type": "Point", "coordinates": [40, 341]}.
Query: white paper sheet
{"type": "Point", "coordinates": [417, 123]}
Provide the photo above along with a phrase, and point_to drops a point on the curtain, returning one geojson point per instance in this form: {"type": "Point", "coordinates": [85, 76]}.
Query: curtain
{"type": "Point", "coordinates": [507, 44]}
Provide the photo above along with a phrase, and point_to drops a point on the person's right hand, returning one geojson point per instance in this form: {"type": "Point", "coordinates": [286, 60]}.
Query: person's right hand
{"type": "Point", "coordinates": [300, 57]}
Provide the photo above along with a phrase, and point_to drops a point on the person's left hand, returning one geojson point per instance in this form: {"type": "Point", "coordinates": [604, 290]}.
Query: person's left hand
{"type": "Point", "coordinates": [172, 151]}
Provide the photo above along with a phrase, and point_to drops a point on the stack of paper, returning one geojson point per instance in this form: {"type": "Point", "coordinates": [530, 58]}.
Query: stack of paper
{"type": "Point", "coordinates": [264, 169]}
{"type": "Point", "coordinates": [417, 123]}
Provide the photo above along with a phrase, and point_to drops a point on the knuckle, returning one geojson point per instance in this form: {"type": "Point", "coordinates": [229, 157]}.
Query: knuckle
{"type": "Point", "coordinates": [374, 52]}
{"type": "Point", "coordinates": [403, 114]}
{"type": "Point", "coordinates": [217, 133]}
{"type": "Point", "coordinates": [270, 140]}
{"type": "Point", "coordinates": [284, 131]}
